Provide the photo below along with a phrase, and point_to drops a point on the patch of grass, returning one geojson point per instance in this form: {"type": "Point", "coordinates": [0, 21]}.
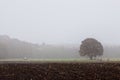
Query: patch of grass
{"type": "Point", "coordinates": [83, 60]}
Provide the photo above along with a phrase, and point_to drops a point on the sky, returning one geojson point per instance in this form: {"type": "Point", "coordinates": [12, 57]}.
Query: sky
{"type": "Point", "coordinates": [61, 21]}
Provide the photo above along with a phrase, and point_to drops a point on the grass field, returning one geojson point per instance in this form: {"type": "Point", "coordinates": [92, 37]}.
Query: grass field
{"type": "Point", "coordinates": [83, 60]}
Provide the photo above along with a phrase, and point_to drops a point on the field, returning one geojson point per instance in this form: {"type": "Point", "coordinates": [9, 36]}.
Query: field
{"type": "Point", "coordinates": [59, 70]}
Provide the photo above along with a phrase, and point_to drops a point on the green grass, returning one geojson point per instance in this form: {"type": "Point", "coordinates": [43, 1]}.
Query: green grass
{"type": "Point", "coordinates": [83, 60]}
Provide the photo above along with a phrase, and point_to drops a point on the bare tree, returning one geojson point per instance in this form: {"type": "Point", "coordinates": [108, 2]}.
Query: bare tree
{"type": "Point", "coordinates": [91, 47]}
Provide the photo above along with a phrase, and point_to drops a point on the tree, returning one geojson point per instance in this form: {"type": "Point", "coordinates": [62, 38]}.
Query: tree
{"type": "Point", "coordinates": [3, 51]}
{"type": "Point", "coordinates": [91, 47]}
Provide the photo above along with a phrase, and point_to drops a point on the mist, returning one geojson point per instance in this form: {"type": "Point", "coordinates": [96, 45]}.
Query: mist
{"type": "Point", "coordinates": [45, 29]}
{"type": "Point", "coordinates": [61, 22]}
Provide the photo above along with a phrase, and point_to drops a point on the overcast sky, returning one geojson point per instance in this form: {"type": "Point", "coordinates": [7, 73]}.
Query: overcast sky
{"type": "Point", "coordinates": [61, 21]}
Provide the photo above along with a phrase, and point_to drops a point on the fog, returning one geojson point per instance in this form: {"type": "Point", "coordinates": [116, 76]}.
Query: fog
{"type": "Point", "coordinates": [47, 28]}
{"type": "Point", "coordinates": [61, 21]}
{"type": "Point", "coordinates": [11, 48]}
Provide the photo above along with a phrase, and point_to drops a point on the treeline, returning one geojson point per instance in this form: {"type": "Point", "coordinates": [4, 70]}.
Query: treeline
{"type": "Point", "coordinates": [112, 51]}
{"type": "Point", "coordinates": [14, 48]}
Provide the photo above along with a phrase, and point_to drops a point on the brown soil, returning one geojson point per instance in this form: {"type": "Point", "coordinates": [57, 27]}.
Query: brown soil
{"type": "Point", "coordinates": [60, 71]}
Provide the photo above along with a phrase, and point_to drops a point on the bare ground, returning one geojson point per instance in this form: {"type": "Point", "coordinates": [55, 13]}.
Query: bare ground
{"type": "Point", "coordinates": [60, 71]}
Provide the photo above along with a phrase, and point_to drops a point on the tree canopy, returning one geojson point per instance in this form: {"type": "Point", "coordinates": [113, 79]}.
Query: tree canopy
{"type": "Point", "coordinates": [91, 47]}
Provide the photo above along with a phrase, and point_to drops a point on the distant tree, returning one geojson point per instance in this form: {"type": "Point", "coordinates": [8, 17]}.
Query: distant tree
{"type": "Point", "coordinates": [3, 51]}
{"type": "Point", "coordinates": [91, 47]}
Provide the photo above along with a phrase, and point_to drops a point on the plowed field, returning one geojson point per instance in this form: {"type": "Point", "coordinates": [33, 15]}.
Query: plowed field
{"type": "Point", "coordinates": [60, 71]}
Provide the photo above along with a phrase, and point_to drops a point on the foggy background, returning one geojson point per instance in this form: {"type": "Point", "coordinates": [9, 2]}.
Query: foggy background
{"type": "Point", "coordinates": [60, 23]}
